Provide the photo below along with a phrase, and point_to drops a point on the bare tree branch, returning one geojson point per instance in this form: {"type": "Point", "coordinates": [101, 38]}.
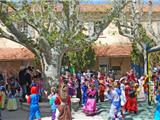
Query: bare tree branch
{"type": "Point", "coordinates": [150, 28]}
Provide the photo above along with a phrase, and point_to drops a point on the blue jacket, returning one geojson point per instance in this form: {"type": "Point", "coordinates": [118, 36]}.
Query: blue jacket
{"type": "Point", "coordinates": [52, 103]}
{"type": "Point", "coordinates": [34, 99]}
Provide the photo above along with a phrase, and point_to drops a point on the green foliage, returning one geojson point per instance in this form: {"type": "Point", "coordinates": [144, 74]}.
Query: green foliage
{"type": "Point", "coordinates": [81, 60]}
{"type": "Point", "coordinates": [136, 55]}
{"type": "Point", "coordinates": [36, 62]}
{"type": "Point", "coordinates": [144, 37]}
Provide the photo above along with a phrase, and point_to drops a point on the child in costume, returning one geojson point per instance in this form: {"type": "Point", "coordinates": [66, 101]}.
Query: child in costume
{"type": "Point", "coordinates": [12, 103]}
{"type": "Point", "coordinates": [127, 88]}
{"type": "Point", "coordinates": [63, 111]}
{"type": "Point", "coordinates": [3, 92]}
{"type": "Point", "coordinates": [123, 96]}
{"type": "Point", "coordinates": [90, 107]}
{"type": "Point", "coordinates": [114, 94]}
{"type": "Point", "coordinates": [53, 102]}
{"type": "Point", "coordinates": [141, 96]}
{"type": "Point", "coordinates": [1, 95]}
{"type": "Point", "coordinates": [71, 88]}
{"type": "Point", "coordinates": [33, 100]}
{"type": "Point", "coordinates": [84, 92]}
{"type": "Point", "coordinates": [132, 100]}
{"type": "Point", "coordinates": [157, 112]}
{"type": "Point", "coordinates": [101, 89]}
{"type": "Point", "coordinates": [131, 76]}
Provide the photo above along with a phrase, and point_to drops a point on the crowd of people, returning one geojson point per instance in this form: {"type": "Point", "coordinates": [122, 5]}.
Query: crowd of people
{"type": "Point", "coordinates": [93, 87]}
{"type": "Point", "coordinates": [14, 88]}
{"type": "Point", "coordinates": [123, 93]}
{"type": "Point", "coordinates": [90, 87]}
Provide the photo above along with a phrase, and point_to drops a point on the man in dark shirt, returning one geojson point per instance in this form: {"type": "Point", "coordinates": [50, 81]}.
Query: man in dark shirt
{"type": "Point", "coordinates": [22, 82]}
{"type": "Point", "coordinates": [28, 80]}
{"type": "Point", "coordinates": [1, 77]}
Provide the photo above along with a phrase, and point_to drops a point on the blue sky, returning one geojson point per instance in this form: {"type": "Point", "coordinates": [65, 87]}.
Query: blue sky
{"type": "Point", "coordinates": [97, 1]}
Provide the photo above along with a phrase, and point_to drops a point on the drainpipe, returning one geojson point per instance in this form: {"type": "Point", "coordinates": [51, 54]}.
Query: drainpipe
{"type": "Point", "coordinates": [149, 77]}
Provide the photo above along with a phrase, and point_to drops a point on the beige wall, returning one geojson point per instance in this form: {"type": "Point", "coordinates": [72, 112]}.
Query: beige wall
{"type": "Point", "coordinates": [123, 62]}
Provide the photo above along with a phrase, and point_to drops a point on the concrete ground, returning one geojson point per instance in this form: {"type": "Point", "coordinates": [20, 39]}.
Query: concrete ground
{"type": "Point", "coordinates": [145, 113]}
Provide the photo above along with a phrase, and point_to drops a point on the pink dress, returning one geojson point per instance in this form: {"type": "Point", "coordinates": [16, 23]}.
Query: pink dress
{"type": "Point", "coordinates": [90, 107]}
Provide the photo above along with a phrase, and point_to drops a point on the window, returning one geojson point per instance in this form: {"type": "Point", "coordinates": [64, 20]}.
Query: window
{"type": "Point", "coordinates": [116, 69]}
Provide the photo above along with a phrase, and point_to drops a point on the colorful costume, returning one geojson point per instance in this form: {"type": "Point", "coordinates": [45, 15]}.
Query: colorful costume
{"type": "Point", "coordinates": [84, 94]}
{"type": "Point", "coordinates": [101, 90]}
{"type": "Point", "coordinates": [157, 112]}
{"type": "Point", "coordinates": [1, 95]}
{"type": "Point", "coordinates": [127, 88]}
{"type": "Point", "coordinates": [53, 105]}
{"type": "Point", "coordinates": [123, 96]}
{"type": "Point", "coordinates": [33, 100]}
{"type": "Point", "coordinates": [12, 103]}
{"type": "Point", "coordinates": [132, 101]}
{"type": "Point", "coordinates": [71, 88]}
{"type": "Point", "coordinates": [63, 111]}
{"type": "Point", "coordinates": [141, 96]}
{"type": "Point", "coordinates": [90, 107]}
{"type": "Point", "coordinates": [115, 110]}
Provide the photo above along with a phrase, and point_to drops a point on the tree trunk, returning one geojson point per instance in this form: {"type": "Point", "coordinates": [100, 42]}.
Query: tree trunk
{"type": "Point", "coordinates": [52, 66]}
{"type": "Point", "coordinates": [145, 61]}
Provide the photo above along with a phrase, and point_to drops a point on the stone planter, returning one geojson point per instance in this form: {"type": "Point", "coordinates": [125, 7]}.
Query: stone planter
{"type": "Point", "coordinates": [75, 103]}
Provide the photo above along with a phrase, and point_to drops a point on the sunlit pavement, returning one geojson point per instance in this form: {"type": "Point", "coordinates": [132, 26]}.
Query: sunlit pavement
{"type": "Point", "coordinates": [145, 113]}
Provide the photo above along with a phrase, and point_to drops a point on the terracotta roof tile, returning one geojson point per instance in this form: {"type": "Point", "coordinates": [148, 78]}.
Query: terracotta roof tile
{"type": "Point", "coordinates": [155, 8]}
{"type": "Point", "coordinates": [113, 50]}
{"type": "Point", "coordinates": [100, 8]}
{"type": "Point", "coordinates": [8, 54]}
{"type": "Point", "coordinates": [105, 7]}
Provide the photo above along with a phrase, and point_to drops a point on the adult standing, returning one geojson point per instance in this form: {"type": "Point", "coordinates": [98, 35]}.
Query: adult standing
{"type": "Point", "coordinates": [79, 86]}
{"type": "Point", "coordinates": [1, 77]}
{"type": "Point", "coordinates": [28, 79]}
{"type": "Point", "coordinates": [22, 82]}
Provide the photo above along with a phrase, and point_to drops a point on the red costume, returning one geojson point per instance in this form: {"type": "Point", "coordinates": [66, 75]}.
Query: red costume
{"type": "Point", "coordinates": [131, 104]}
{"type": "Point", "coordinates": [127, 96]}
{"type": "Point", "coordinates": [101, 90]}
{"type": "Point", "coordinates": [132, 78]}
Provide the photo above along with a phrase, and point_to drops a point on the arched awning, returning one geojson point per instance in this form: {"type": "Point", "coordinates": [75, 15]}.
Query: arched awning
{"type": "Point", "coordinates": [10, 50]}
{"type": "Point", "coordinates": [111, 43]}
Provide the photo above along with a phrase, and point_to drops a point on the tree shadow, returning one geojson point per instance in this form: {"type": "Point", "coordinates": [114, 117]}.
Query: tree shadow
{"type": "Point", "coordinates": [128, 118]}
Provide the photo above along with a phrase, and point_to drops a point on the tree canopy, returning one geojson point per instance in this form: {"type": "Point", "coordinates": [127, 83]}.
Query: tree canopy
{"type": "Point", "coordinates": [58, 27]}
{"type": "Point", "coordinates": [81, 60]}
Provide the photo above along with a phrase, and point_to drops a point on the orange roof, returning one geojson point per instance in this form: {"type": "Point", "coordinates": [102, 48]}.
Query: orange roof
{"type": "Point", "coordinates": [88, 7]}
{"type": "Point", "coordinates": [104, 7]}
{"type": "Point", "coordinates": [100, 8]}
{"type": "Point", "coordinates": [95, 8]}
{"type": "Point", "coordinates": [8, 54]}
{"type": "Point", "coordinates": [155, 8]}
{"type": "Point", "coordinates": [113, 50]}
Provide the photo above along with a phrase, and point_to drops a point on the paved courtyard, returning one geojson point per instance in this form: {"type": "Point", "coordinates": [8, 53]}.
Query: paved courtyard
{"type": "Point", "coordinates": [145, 113]}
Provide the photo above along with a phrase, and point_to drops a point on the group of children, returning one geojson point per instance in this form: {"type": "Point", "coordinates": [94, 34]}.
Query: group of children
{"type": "Point", "coordinates": [122, 93]}
{"type": "Point", "coordinates": [58, 99]}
